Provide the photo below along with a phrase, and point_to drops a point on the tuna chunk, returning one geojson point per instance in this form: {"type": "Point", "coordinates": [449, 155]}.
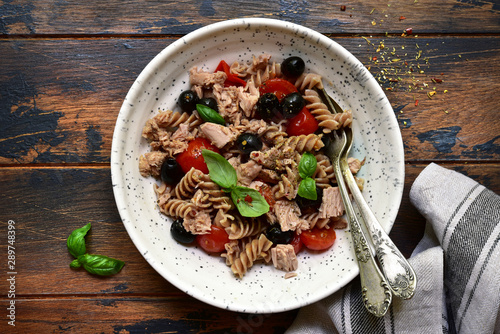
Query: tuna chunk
{"type": "Point", "coordinates": [150, 163]}
{"type": "Point", "coordinates": [247, 172]}
{"type": "Point", "coordinates": [287, 214]}
{"type": "Point", "coordinates": [199, 224]}
{"type": "Point", "coordinates": [206, 79]}
{"type": "Point", "coordinates": [247, 101]}
{"type": "Point", "coordinates": [332, 205]}
{"type": "Point", "coordinates": [284, 257]}
{"type": "Point", "coordinates": [227, 101]}
{"type": "Point", "coordinates": [218, 134]}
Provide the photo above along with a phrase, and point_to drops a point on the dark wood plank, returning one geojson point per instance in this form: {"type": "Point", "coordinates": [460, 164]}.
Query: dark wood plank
{"type": "Point", "coordinates": [48, 203]}
{"type": "Point", "coordinates": [67, 114]}
{"type": "Point", "coordinates": [138, 315]}
{"type": "Point", "coordinates": [180, 17]}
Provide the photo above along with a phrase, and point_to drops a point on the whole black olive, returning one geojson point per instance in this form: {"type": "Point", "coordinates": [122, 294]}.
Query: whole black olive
{"type": "Point", "coordinates": [292, 104]}
{"type": "Point", "coordinates": [247, 143]}
{"type": "Point", "coordinates": [171, 172]}
{"type": "Point", "coordinates": [293, 67]}
{"type": "Point", "coordinates": [180, 234]}
{"type": "Point", "coordinates": [268, 106]}
{"type": "Point", "coordinates": [277, 236]}
{"type": "Point", "coordinates": [305, 203]}
{"type": "Point", "coordinates": [188, 100]}
{"type": "Point", "coordinates": [209, 102]}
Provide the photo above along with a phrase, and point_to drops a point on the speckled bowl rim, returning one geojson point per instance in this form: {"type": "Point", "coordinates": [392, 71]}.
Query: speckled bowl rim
{"type": "Point", "coordinates": [118, 151]}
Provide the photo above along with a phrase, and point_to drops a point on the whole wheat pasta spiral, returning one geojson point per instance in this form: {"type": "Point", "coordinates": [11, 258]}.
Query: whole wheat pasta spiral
{"type": "Point", "coordinates": [178, 208]}
{"type": "Point", "coordinates": [315, 221]}
{"type": "Point", "coordinates": [273, 134]}
{"type": "Point", "coordinates": [257, 249]}
{"type": "Point", "coordinates": [187, 185]}
{"type": "Point", "coordinates": [324, 175]}
{"type": "Point", "coordinates": [310, 142]}
{"type": "Point", "coordinates": [326, 119]}
{"type": "Point", "coordinates": [171, 119]}
{"type": "Point", "coordinates": [244, 227]}
{"type": "Point", "coordinates": [216, 195]}
{"type": "Point", "coordinates": [308, 81]}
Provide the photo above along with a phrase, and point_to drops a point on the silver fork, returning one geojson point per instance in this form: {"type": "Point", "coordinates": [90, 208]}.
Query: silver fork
{"type": "Point", "coordinates": [376, 293]}
{"type": "Point", "coordinates": [396, 269]}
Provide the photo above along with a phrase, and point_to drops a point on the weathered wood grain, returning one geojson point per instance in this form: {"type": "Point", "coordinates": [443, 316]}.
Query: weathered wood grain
{"type": "Point", "coordinates": [61, 105]}
{"type": "Point", "coordinates": [180, 17]}
{"type": "Point", "coordinates": [138, 315]}
{"type": "Point", "coordinates": [48, 203]}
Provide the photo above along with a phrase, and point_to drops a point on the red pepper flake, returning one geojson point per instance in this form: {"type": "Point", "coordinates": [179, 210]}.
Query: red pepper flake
{"type": "Point", "coordinates": [342, 8]}
{"type": "Point", "coordinates": [374, 58]}
{"type": "Point", "coordinates": [248, 199]}
{"type": "Point", "coordinates": [409, 31]}
{"type": "Point", "coordinates": [416, 103]}
{"type": "Point", "coordinates": [436, 80]}
{"type": "Point", "coordinates": [401, 18]}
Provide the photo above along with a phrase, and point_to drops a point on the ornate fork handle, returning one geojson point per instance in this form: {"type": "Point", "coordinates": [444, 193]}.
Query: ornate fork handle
{"type": "Point", "coordinates": [398, 272]}
{"type": "Point", "coordinates": [376, 293]}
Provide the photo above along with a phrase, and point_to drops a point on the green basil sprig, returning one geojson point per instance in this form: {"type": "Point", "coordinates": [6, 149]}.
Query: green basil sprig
{"type": "Point", "coordinates": [207, 114]}
{"type": "Point", "coordinates": [249, 202]}
{"type": "Point", "coordinates": [307, 167]}
{"type": "Point", "coordinates": [94, 264]}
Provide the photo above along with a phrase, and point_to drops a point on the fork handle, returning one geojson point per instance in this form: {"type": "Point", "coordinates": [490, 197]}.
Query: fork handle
{"type": "Point", "coordinates": [377, 296]}
{"type": "Point", "coordinates": [397, 271]}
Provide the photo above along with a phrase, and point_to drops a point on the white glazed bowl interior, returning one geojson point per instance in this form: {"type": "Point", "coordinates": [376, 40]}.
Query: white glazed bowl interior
{"type": "Point", "coordinates": [205, 277]}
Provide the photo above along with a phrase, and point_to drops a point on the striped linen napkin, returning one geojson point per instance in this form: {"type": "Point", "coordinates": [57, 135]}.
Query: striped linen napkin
{"type": "Point", "coordinates": [457, 265]}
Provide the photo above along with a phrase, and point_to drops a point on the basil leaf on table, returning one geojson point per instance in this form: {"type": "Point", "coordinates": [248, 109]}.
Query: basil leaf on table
{"type": "Point", "coordinates": [249, 202]}
{"type": "Point", "coordinates": [307, 165]}
{"type": "Point", "coordinates": [220, 170]}
{"type": "Point", "coordinates": [76, 241]}
{"type": "Point", "coordinates": [207, 114]}
{"type": "Point", "coordinates": [94, 264]}
{"type": "Point", "coordinates": [100, 264]}
{"type": "Point", "coordinates": [307, 189]}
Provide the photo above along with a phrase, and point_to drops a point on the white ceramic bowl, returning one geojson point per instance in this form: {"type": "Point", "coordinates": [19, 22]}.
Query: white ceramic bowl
{"type": "Point", "coordinates": [207, 278]}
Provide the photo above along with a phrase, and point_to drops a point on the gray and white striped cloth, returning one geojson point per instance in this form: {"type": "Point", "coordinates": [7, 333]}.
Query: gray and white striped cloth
{"type": "Point", "coordinates": [457, 265]}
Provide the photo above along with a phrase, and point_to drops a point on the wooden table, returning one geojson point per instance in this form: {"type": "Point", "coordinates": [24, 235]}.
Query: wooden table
{"type": "Point", "coordinates": [66, 67]}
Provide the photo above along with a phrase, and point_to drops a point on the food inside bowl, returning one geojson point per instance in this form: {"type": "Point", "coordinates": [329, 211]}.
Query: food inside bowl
{"type": "Point", "coordinates": [241, 164]}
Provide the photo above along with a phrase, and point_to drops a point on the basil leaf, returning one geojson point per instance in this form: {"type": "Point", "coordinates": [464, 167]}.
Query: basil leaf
{"type": "Point", "coordinates": [207, 114]}
{"type": "Point", "coordinates": [249, 202]}
{"type": "Point", "coordinates": [100, 264]}
{"type": "Point", "coordinates": [307, 165]}
{"type": "Point", "coordinates": [220, 170]}
{"type": "Point", "coordinates": [307, 189]}
{"type": "Point", "coordinates": [76, 241]}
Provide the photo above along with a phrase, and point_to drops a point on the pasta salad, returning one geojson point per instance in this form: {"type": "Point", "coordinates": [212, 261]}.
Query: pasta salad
{"type": "Point", "coordinates": [241, 163]}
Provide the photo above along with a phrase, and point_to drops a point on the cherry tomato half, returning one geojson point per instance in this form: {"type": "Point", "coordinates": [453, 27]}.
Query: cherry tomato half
{"type": "Point", "coordinates": [192, 157]}
{"type": "Point", "coordinates": [302, 124]}
{"type": "Point", "coordinates": [277, 86]}
{"type": "Point", "coordinates": [318, 239]}
{"type": "Point", "coordinates": [214, 241]}
{"type": "Point", "coordinates": [296, 243]}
